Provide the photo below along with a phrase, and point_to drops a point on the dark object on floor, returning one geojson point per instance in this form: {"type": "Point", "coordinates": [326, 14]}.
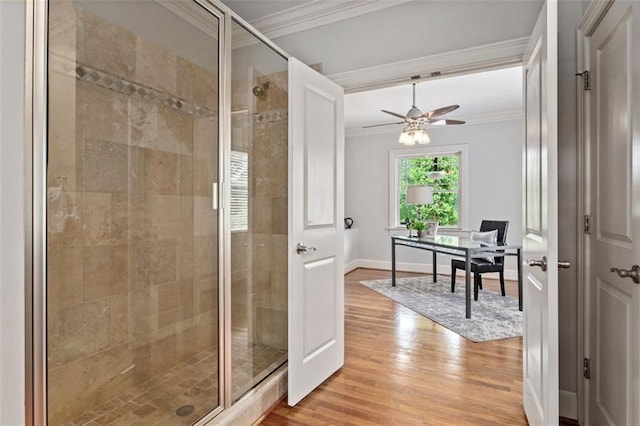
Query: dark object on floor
{"type": "Point", "coordinates": [185, 410]}
{"type": "Point", "coordinates": [481, 266]}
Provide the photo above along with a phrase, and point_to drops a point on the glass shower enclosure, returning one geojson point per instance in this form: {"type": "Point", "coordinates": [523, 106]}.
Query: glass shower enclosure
{"type": "Point", "coordinates": [144, 324]}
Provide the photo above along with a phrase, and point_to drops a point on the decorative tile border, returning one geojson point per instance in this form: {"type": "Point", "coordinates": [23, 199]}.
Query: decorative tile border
{"type": "Point", "coordinates": [270, 116]}
{"type": "Point", "coordinates": [105, 80]}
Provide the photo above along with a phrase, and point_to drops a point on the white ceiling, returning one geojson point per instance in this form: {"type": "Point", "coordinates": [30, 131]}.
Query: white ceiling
{"type": "Point", "coordinates": [481, 96]}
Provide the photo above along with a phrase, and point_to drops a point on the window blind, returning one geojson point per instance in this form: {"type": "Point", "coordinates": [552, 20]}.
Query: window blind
{"type": "Point", "coordinates": [239, 191]}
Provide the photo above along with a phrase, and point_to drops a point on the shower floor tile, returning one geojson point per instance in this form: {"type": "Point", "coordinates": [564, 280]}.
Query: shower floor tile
{"type": "Point", "coordinates": [193, 382]}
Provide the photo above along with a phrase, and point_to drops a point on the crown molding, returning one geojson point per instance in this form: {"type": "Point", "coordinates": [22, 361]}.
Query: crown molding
{"type": "Point", "coordinates": [192, 15]}
{"type": "Point", "coordinates": [310, 15]}
{"type": "Point", "coordinates": [463, 61]}
{"type": "Point", "coordinates": [593, 15]}
{"type": "Point", "coordinates": [490, 117]}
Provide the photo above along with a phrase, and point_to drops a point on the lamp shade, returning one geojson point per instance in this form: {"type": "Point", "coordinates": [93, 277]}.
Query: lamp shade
{"type": "Point", "coordinates": [419, 194]}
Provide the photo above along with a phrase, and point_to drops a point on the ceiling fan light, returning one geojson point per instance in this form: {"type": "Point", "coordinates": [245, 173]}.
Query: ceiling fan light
{"type": "Point", "coordinates": [406, 138]}
{"type": "Point", "coordinates": [422, 137]}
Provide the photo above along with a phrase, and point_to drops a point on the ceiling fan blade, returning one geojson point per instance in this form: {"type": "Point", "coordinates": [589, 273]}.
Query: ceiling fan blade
{"type": "Point", "coordinates": [386, 124]}
{"type": "Point", "coordinates": [395, 114]}
{"type": "Point", "coordinates": [445, 122]}
{"type": "Point", "coordinates": [440, 111]}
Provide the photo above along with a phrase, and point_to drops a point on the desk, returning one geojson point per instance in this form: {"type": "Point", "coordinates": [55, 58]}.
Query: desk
{"type": "Point", "coordinates": [462, 247]}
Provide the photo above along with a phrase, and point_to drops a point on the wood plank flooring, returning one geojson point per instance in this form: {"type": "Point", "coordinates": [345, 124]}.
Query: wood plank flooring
{"type": "Point", "coordinates": [403, 369]}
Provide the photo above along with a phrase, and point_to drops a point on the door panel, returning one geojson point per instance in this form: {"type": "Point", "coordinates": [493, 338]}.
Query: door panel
{"type": "Point", "coordinates": [316, 280]}
{"type": "Point", "coordinates": [613, 141]}
{"type": "Point", "coordinates": [319, 321]}
{"type": "Point", "coordinates": [614, 311]}
{"type": "Point", "coordinates": [320, 152]}
{"type": "Point", "coordinates": [533, 150]}
{"type": "Point", "coordinates": [540, 298]}
{"type": "Point", "coordinates": [535, 338]}
{"type": "Point", "coordinates": [612, 367]}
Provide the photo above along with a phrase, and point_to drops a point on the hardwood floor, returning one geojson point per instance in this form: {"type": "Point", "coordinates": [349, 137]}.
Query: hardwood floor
{"type": "Point", "coordinates": [403, 369]}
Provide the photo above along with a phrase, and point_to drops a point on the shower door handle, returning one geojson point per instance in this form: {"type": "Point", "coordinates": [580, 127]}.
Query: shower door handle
{"type": "Point", "coordinates": [216, 201]}
{"type": "Point", "coordinates": [214, 195]}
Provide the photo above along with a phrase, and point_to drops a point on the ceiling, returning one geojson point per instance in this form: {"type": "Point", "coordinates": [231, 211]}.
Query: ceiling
{"type": "Point", "coordinates": [482, 96]}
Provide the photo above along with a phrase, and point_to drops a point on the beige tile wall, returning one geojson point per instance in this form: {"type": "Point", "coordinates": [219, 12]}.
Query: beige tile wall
{"type": "Point", "coordinates": [259, 256]}
{"type": "Point", "coordinates": [132, 244]}
{"type": "Point", "coordinates": [269, 207]}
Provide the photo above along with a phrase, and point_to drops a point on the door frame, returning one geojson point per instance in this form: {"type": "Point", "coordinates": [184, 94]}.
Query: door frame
{"type": "Point", "coordinates": [588, 24]}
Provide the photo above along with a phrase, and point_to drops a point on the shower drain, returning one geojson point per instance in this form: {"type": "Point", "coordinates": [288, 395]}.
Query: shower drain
{"type": "Point", "coordinates": [185, 410]}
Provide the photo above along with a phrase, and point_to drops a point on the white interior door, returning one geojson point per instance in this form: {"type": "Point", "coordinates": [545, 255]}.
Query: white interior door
{"type": "Point", "coordinates": [540, 280]}
{"type": "Point", "coordinates": [614, 311]}
{"type": "Point", "coordinates": [316, 202]}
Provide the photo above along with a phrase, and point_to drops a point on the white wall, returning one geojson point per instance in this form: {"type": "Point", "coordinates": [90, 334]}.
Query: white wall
{"type": "Point", "coordinates": [494, 185]}
{"type": "Point", "coordinates": [12, 244]}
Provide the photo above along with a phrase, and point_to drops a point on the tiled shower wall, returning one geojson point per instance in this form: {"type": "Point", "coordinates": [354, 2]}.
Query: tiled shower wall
{"type": "Point", "coordinates": [269, 207]}
{"type": "Point", "coordinates": [259, 256]}
{"type": "Point", "coordinates": [132, 239]}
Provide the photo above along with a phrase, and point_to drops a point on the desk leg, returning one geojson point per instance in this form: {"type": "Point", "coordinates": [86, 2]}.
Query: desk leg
{"type": "Point", "coordinates": [519, 279]}
{"type": "Point", "coordinates": [467, 285]}
{"type": "Point", "coordinates": [435, 268]}
{"type": "Point", "coordinates": [393, 262]}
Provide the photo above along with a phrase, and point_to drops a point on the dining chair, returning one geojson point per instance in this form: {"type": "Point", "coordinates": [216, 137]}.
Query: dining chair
{"type": "Point", "coordinates": [481, 266]}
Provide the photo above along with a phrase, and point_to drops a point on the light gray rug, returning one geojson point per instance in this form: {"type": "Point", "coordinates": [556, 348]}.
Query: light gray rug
{"type": "Point", "coordinates": [493, 317]}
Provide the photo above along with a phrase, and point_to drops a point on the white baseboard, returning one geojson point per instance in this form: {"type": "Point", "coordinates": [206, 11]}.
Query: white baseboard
{"type": "Point", "coordinates": [568, 405]}
{"type": "Point", "coordinates": [348, 267]}
{"type": "Point", "coordinates": [424, 268]}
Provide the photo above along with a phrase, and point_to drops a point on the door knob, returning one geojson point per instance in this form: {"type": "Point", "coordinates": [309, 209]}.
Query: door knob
{"type": "Point", "coordinates": [542, 263]}
{"type": "Point", "coordinates": [633, 273]}
{"type": "Point", "coordinates": [300, 248]}
{"type": "Point", "coordinates": [564, 264]}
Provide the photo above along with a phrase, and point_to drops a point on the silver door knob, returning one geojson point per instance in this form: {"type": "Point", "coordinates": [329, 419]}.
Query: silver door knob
{"type": "Point", "coordinates": [300, 248]}
{"type": "Point", "coordinates": [633, 273]}
{"type": "Point", "coordinates": [542, 263]}
{"type": "Point", "coordinates": [562, 264]}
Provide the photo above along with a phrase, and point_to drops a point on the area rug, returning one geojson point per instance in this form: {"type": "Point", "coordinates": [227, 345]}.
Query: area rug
{"type": "Point", "coordinates": [493, 317]}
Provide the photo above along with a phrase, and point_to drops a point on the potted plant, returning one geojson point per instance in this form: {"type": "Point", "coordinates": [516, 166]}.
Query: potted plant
{"type": "Point", "coordinates": [419, 226]}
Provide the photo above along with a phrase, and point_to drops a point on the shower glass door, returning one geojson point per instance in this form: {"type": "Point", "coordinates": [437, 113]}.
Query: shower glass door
{"type": "Point", "coordinates": [132, 239]}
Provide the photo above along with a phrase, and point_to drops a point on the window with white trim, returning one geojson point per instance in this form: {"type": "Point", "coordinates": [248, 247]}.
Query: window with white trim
{"type": "Point", "coordinates": [239, 191]}
{"type": "Point", "coordinates": [419, 167]}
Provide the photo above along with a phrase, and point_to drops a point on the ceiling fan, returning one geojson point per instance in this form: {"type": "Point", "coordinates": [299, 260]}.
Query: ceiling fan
{"type": "Point", "coordinates": [415, 118]}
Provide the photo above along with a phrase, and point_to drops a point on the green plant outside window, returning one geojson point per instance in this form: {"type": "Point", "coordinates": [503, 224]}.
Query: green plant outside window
{"type": "Point", "coordinates": [445, 207]}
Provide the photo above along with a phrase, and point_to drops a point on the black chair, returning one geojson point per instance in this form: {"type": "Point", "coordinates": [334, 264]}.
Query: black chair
{"type": "Point", "coordinates": [480, 266]}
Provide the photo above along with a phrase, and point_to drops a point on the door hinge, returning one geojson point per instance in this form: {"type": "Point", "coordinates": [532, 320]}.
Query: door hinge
{"type": "Point", "coordinates": [587, 224]}
{"type": "Point", "coordinates": [586, 368]}
{"type": "Point", "coordinates": [586, 79]}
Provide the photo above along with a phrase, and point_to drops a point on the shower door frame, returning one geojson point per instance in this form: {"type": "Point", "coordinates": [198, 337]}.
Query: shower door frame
{"type": "Point", "coordinates": [36, 146]}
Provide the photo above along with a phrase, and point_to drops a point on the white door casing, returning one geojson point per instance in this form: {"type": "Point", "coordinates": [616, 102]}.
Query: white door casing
{"type": "Point", "coordinates": [613, 304]}
{"type": "Point", "coordinates": [316, 211]}
{"type": "Point", "coordinates": [540, 296]}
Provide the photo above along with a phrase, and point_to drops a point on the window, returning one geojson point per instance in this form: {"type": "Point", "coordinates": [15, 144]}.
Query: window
{"type": "Point", "coordinates": [413, 167]}
{"type": "Point", "coordinates": [239, 191]}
